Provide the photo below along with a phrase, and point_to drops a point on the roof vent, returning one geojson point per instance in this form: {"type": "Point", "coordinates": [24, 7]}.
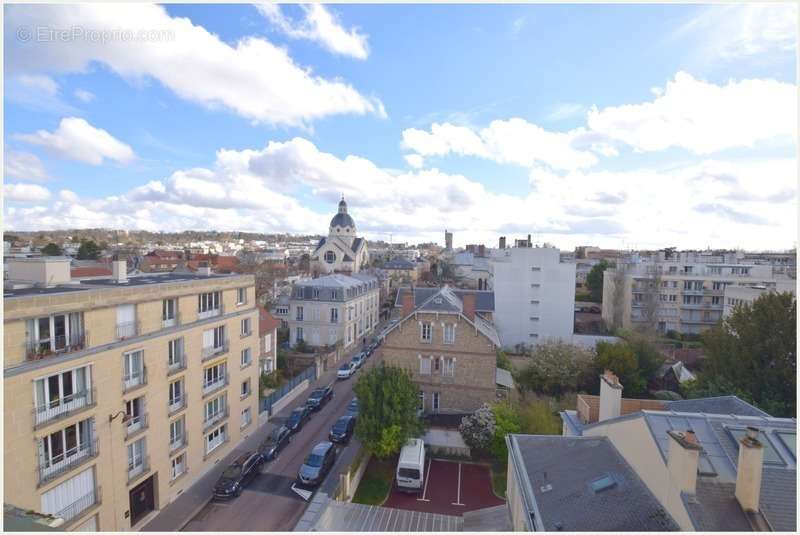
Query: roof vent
{"type": "Point", "coordinates": [546, 488]}
{"type": "Point", "coordinates": [604, 483]}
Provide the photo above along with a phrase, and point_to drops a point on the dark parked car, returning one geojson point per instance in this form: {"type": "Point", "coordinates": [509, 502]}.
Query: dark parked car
{"type": "Point", "coordinates": [342, 430]}
{"type": "Point", "coordinates": [238, 475]}
{"type": "Point", "coordinates": [352, 407]}
{"type": "Point", "coordinates": [319, 398]}
{"type": "Point", "coordinates": [274, 443]}
{"type": "Point", "coordinates": [298, 418]}
{"type": "Point", "coordinates": [317, 465]}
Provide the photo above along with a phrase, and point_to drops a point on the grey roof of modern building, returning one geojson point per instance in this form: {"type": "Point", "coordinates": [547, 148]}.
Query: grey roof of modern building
{"type": "Point", "coordinates": [583, 484]}
{"type": "Point", "coordinates": [484, 299]}
{"type": "Point", "coordinates": [337, 280]}
{"type": "Point", "coordinates": [716, 405]}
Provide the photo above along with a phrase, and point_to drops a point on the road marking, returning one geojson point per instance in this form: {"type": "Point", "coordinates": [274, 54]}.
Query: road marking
{"type": "Point", "coordinates": [458, 496]}
{"type": "Point", "coordinates": [427, 477]}
{"type": "Point", "coordinates": [305, 494]}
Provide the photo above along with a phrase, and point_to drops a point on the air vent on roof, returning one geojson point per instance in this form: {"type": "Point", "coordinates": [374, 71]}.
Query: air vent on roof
{"type": "Point", "coordinates": [546, 488]}
{"type": "Point", "coordinates": [603, 483]}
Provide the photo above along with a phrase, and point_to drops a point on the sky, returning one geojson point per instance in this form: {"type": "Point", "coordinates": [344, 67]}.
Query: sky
{"type": "Point", "coordinates": [625, 126]}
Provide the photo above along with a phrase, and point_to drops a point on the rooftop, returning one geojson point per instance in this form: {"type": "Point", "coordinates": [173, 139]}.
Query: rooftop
{"type": "Point", "coordinates": [484, 299]}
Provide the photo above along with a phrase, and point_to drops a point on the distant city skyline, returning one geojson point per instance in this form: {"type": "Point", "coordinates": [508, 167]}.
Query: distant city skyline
{"type": "Point", "coordinates": [620, 126]}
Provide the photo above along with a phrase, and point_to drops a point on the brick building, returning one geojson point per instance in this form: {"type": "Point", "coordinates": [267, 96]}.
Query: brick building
{"type": "Point", "coordinates": [445, 337]}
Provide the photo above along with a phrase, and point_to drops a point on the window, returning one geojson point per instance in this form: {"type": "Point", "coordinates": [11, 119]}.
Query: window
{"type": "Point", "coordinates": [61, 448]}
{"type": "Point", "coordinates": [716, 300]}
{"type": "Point", "coordinates": [246, 417]}
{"type": "Point", "coordinates": [59, 332]}
{"type": "Point", "coordinates": [134, 411]}
{"type": "Point", "coordinates": [330, 256]}
{"type": "Point", "coordinates": [315, 293]}
{"type": "Point", "coordinates": [298, 334]}
{"type": "Point", "coordinates": [536, 285]}
{"type": "Point", "coordinates": [176, 396]}
{"type": "Point", "coordinates": [133, 369]}
{"type": "Point", "coordinates": [126, 321]}
{"type": "Point", "coordinates": [449, 367]}
{"type": "Point", "coordinates": [421, 405]}
{"type": "Point", "coordinates": [176, 433]}
{"type": "Point", "coordinates": [213, 375]}
{"type": "Point", "coordinates": [215, 438]}
{"type": "Point", "coordinates": [175, 354]}
{"type": "Point", "coordinates": [246, 331]}
{"type": "Point", "coordinates": [299, 316]}
{"type": "Point", "coordinates": [136, 457]}
{"type": "Point", "coordinates": [436, 401]}
{"type": "Point", "coordinates": [209, 304]}
{"type": "Point", "coordinates": [349, 313]}
{"type": "Point", "coordinates": [425, 365]}
{"type": "Point", "coordinates": [62, 393]}
{"type": "Point", "coordinates": [770, 455]}
{"type": "Point", "coordinates": [534, 268]}
{"type": "Point", "coordinates": [178, 466]}
{"type": "Point", "coordinates": [215, 408]}
{"type": "Point", "coordinates": [449, 333]}
{"type": "Point", "coordinates": [246, 358]}
{"type": "Point", "coordinates": [426, 331]}
{"type": "Point", "coordinates": [437, 363]}
{"type": "Point", "coordinates": [168, 312]}
{"type": "Point", "coordinates": [245, 388]}
{"type": "Point", "coordinates": [214, 340]}
{"type": "Point", "coordinates": [241, 296]}
{"type": "Point", "coordinates": [334, 315]}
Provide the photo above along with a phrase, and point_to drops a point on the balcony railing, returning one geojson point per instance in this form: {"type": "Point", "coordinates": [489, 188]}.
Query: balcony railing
{"type": "Point", "coordinates": [137, 469]}
{"type": "Point", "coordinates": [134, 379]}
{"type": "Point", "coordinates": [211, 313]}
{"type": "Point", "coordinates": [177, 364]}
{"type": "Point", "coordinates": [166, 323]}
{"type": "Point", "coordinates": [63, 407]}
{"type": "Point", "coordinates": [211, 352]}
{"type": "Point", "coordinates": [136, 425]}
{"type": "Point", "coordinates": [178, 443]}
{"type": "Point", "coordinates": [55, 345]}
{"type": "Point", "coordinates": [216, 384]}
{"type": "Point", "coordinates": [176, 404]}
{"type": "Point", "coordinates": [67, 461]}
{"type": "Point", "coordinates": [694, 291]}
{"type": "Point", "coordinates": [74, 510]}
{"type": "Point", "coordinates": [215, 418]}
{"type": "Point", "coordinates": [128, 330]}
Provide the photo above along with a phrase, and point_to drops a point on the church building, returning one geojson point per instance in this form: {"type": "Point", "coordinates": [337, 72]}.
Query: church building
{"type": "Point", "coordinates": [341, 251]}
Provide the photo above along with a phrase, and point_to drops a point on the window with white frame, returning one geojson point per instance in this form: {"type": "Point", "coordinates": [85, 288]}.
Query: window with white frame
{"type": "Point", "coordinates": [449, 367]}
{"type": "Point", "coordinates": [246, 327]}
{"type": "Point", "coordinates": [298, 334]}
{"type": "Point", "coordinates": [209, 303]}
{"type": "Point", "coordinates": [58, 332]}
{"type": "Point", "coordinates": [436, 401]}
{"type": "Point", "coordinates": [437, 364]}
{"type": "Point", "coordinates": [246, 417]}
{"type": "Point", "coordinates": [133, 368]}
{"type": "Point", "coordinates": [176, 394]}
{"type": "Point", "coordinates": [425, 365]}
{"type": "Point", "coordinates": [65, 445]}
{"type": "Point", "coordinates": [177, 429]}
{"type": "Point", "coordinates": [178, 466]}
{"type": "Point", "coordinates": [175, 353]}
{"type": "Point", "coordinates": [449, 333]}
{"type": "Point", "coordinates": [241, 296]}
{"type": "Point", "coordinates": [299, 313]}
{"type": "Point", "coordinates": [62, 392]}
{"type": "Point", "coordinates": [214, 375]}
{"type": "Point", "coordinates": [245, 391]}
{"type": "Point", "coordinates": [169, 311]}
{"type": "Point", "coordinates": [215, 408]}
{"type": "Point", "coordinates": [334, 315]}
{"type": "Point", "coordinates": [214, 340]}
{"type": "Point", "coordinates": [136, 457]}
{"type": "Point", "coordinates": [246, 358]}
{"type": "Point", "coordinates": [426, 331]}
{"type": "Point", "coordinates": [421, 404]}
{"type": "Point", "coordinates": [215, 438]}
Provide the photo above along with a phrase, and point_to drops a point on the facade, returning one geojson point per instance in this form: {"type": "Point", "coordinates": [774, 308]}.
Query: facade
{"type": "Point", "coordinates": [341, 251]}
{"type": "Point", "coordinates": [332, 309]}
{"type": "Point", "coordinates": [445, 338]}
{"type": "Point", "coordinates": [684, 297]}
{"type": "Point", "coordinates": [268, 335]}
{"type": "Point", "coordinates": [401, 271]}
{"type": "Point", "coordinates": [160, 261]}
{"type": "Point", "coordinates": [740, 295]}
{"type": "Point", "coordinates": [120, 393]}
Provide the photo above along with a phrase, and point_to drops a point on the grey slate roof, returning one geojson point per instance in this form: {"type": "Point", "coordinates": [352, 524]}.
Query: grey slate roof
{"type": "Point", "coordinates": [484, 299]}
{"type": "Point", "coordinates": [342, 220]}
{"type": "Point", "coordinates": [560, 471]}
{"type": "Point", "coordinates": [399, 263]}
{"type": "Point", "coordinates": [716, 405]}
{"type": "Point", "coordinates": [715, 508]}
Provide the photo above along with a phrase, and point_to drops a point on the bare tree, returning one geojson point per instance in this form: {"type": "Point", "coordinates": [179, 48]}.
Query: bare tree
{"type": "Point", "coordinates": [651, 289]}
{"type": "Point", "coordinates": [618, 296]}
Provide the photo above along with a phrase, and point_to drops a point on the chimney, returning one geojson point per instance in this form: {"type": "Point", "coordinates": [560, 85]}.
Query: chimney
{"type": "Point", "coordinates": [204, 269]}
{"type": "Point", "coordinates": [748, 473]}
{"type": "Point", "coordinates": [468, 300]}
{"type": "Point", "coordinates": [481, 250]}
{"type": "Point", "coordinates": [610, 396]}
{"type": "Point", "coordinates": [119, 271]}
{"type": "Point", "coordinates": [502, 242]}
{"type": "Point", "coordinates": [529, 240]}
{"type": "Point", "coordinates": [407, 301]}
{"type": "Point", "coordinates": [682, 459]}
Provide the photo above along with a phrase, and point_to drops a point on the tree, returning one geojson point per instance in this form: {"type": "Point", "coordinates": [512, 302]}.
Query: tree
{"type": "Point", "coordinates": [594, 281]}
{"type": "Point", "coordinates": [477, 428]}
{"type": "Point", "coordinates": [503, 361]}
{"type": "Point", "coordinates": [506, 421]}
{"type": "Point", "coordinates": [51, 249]}
{"type": "Point", "coordinates": [537, 418]}
{"type": "Point", "coordinates": [754, 351]}
{"type": "Point", "coordinates": [557, 368]}
{"type": "Point", "coordinates": [387, 418]}
{"type": "Point", "coordinates": [620, 359]}
{"type": "Point", "coordinates": [88, 250]}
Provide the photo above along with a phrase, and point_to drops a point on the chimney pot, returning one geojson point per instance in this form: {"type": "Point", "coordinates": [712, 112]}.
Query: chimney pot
{"type": "Point", "coordinates": [407, 301]}
{"type": "Point", "coordinates": [683, 457]}
{"type": "Point", "coordinates": [610, 396]}
{"type": "Point", "coordinates": [468, 305]}
{"type": "Point", "coordinates": [748, 472]}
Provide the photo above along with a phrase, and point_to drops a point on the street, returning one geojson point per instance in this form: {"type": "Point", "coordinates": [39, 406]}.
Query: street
{"type": "Point", "coordinates": [268, 502]}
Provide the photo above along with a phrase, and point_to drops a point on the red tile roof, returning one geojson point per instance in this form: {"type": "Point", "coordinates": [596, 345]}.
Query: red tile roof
{"type": "Point", "coordinates": [266, 321]}
{"type": "Point", "coordinates": [79, 272]}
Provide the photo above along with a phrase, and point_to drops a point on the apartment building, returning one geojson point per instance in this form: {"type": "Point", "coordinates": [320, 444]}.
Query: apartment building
{"type": "Point", "coordinates": [121, 392]}
{"type": "Point", "coordinates": [334, 308]}
{"type": "Point", "coordinates": [446, 339]}
{"type": "Point", "coordinates": [683, 297]}
{"type": "Point", "coordinates": [741, 295]}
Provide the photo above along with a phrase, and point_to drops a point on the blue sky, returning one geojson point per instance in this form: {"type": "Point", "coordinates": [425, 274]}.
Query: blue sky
{"type": "Point", "coordinates": [615, 125]}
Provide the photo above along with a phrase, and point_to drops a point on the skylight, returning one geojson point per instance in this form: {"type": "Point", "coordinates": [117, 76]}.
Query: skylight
{"type": "Point", "coordinates": [770, 455]}
{"type": "Point", "coordinates": [789, 439]}
{"type": "Point", "coordinates": [604, 483]}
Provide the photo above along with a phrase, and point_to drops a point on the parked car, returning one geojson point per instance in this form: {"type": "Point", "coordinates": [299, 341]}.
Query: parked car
{"type": "Point", "coordinates": [342, 430]}
{"type": "Point", "coordinates": [346, 370]}
{"type": "Point", "coordinates": [317, 465]}
{"type": "Point", "coordinates": [298, 418]}
{"type": "Point", "coordinates": [352, 407]}
{"type": "Point", "coordinates": [359, 359]}
{"type": "Point", "coordinates": [274, 443]}
{"type": "Point", "coordinates": [238, 475]}
{"type": "Point", "coordinates": [319, 398]}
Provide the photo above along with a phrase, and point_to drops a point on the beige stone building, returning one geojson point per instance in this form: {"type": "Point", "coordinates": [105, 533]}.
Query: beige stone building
{"type": "Point", "coordinates": [120, 393]}
{"type": "Point", "coordinates": [447, 341]}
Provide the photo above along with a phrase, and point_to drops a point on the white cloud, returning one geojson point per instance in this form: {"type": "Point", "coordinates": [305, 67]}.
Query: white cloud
{"type": "Point", "coordinates": [321, 26]}
{"type": "Point", "coordinates": [515, 141]}
{"type": "Point", "coordinates": [25, 193]}
{"type": "Point", "coordinates": [517, 25]}
{"type": "Point", "coordinates": [68, 196]}
{"type": "Point", "coordinates": [25, 166]}
{"type": "Point", "coordinates": [702, 117]}
{"type": "Point", "coordinates": [84, 95]}
{"type": "Point", "coordinates": [39, 82]}
{"type": "Point", "coordinates": [414, 160]}
{"type": "Point", "coordinates": [566, 110]}
{"type": "Point", "coordinates": [254, 78]}
{"type": "Point", "coordinates": [76, 139]}
{"type": "Point", "coordinates": [736, 30]}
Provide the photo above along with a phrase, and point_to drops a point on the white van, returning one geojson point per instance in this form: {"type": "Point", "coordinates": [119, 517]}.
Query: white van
{"type": "Point", "coordinates": [411, 466]}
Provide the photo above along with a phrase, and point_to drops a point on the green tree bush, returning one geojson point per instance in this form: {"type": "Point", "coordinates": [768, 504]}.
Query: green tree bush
{"type": "Point", "coordinates": [88, 250]}
{"type": "Point", "coordinates": [537, 418]}
{"type": "Point", "coordinates": [478, 428]}
{"type": "Point", "coordinates": [51, 249]}
{"type": "Point", "coordinates": [557, 368]}
{"type": "Point", "coordinates": [594, 281]}
{"type": "Point", "coordinates": [507, 421]}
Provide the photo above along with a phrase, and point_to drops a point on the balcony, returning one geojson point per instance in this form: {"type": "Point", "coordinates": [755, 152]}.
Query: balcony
{"type": "Point", "coordinates": [128, 330]}
{"type": "Point", "coordinates": [177, 364]}
{"type": "Point", "coordinates": [136, 425]}
{"type": "Point", "coordinates": [246, 334]}
{"type": "Point", "coordinates": [134, 380]}
{"type": "Point", "coordinates": [216, 418]}
{"type": "Point", "coordinates": [56, 345]}
{"type": "Point", "coordinates": [174, 321]}
{"type": "Point", "coordinates": [178, 444]}
{"type": "Point", "coordinates": [694, 291]}
{"type": "Point", "coordinates": [137, 470]}
{"type": "Point", "coordinates": [64, 407]}
{"type": "Point", "coordinates": [212, 386]}
{"type": "Point", "coordinates": [74, 510]}
{"type": "Point", "coordinates": [67, 461]}
{"type": "Point", "coordinates": [201, 315]}
{"type": "Point", "coordinates": [208, 353]}
{"type": "Point", "coordinates": [177, 404]}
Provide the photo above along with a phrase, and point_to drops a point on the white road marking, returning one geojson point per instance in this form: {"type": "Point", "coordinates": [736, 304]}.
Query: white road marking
{"type": "Point", "coordinates": [458, 496]}
{"type": "Point", "coordinates": [427, 478]}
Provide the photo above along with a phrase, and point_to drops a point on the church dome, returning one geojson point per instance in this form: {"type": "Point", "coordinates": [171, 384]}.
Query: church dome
{"type": "Point", "coordinates": [342, 219]}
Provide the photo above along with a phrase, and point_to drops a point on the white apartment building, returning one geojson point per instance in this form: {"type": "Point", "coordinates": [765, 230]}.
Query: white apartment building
{"type": "Point", "coordinates": [740, 295]}
{"type": "Point", "coordinates": [326, 310]}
